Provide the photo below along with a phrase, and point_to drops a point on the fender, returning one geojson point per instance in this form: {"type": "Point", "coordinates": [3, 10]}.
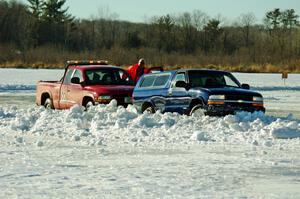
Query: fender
{"type": "Point", "coordinates": [88, 95]}
{"type": "Point", "coordinates": [45, 92]}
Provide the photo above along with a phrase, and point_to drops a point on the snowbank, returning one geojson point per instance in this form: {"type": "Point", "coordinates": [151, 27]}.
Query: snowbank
{"type": "Point", "coordinates": [111, 125]}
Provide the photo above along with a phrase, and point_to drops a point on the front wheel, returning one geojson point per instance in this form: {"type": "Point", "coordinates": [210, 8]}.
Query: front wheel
{"type": "Point", "coordinates": [48, 104]}
{"type": "Point", "coordinates": [88, 105]}
{"type": "Point", "coordinates": [197, 110]}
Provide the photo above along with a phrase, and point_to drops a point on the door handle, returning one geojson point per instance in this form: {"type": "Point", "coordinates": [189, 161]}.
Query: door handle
{"type": "Point", "coordinates": [169, 93]}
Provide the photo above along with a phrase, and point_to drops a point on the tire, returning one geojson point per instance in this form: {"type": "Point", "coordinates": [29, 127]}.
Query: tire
{"type": "Point", "coordinates": [48, 104]}
{"type": "Point", "coordinates": [196, 108]}
{"type": "Point", "coordinates": [149, 110]}
{"type": "Point", "coordinates": [88, 104]}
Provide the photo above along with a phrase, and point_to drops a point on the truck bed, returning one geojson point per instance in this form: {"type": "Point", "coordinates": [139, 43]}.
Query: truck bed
{"type": "Point", "coordinates": [51, 88]}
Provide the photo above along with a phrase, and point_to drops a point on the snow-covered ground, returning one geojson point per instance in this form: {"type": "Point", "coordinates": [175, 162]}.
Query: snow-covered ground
{"type": "Point", "coordinates": [112, 152]}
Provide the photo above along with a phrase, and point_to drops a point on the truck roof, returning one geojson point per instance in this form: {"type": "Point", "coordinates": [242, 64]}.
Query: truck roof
{"type": "Point", "coordinates": [186, 70]}
{"type": "Point", "coordinates": [87, 67]}
{"type": "Point", "coordinates": [89, 64]}
{"type": "Point", "coordinates": [201, 69]}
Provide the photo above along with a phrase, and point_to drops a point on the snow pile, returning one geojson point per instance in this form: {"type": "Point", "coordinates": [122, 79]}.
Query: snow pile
{"type": "Point", "coordinates": [110, 125]}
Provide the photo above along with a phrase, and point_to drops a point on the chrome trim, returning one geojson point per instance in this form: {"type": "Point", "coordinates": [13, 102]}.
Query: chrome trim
{"type": "Point", "coordinates": [238, 101]}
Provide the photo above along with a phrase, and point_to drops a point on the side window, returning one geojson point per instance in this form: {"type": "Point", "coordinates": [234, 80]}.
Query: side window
{"type": "Point", "coordinates": [230, 82]}
{"type": "Point", "coordinates": [78, 74]}
{"type": "Point", "coordinates": [123, 78]}
{"type": "Point", "coordinates": [93, 77]}
{"type": "Point", "coordinates": [89, 76]}
{"type": "Point", "coordinates": [121, 75]}
{"type": "Point", "coordinates": [148, 81]}
{"type": "Point", "coordinates": [198, 79]}
{"type": "Point", "coordinates": [68, 76]}
{"type": "Point", "coordinates": [178, 77]}
{"type": "Point", "coordinates": [155, 80]}
{"type": "Point", "coordinates": [161, 80]}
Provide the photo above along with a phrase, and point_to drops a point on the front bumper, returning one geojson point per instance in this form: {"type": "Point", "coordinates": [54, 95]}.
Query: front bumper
{"type": "Point", "coordinates": [222, 110]}
{"type": "Point", "coordinates": [121, 101]}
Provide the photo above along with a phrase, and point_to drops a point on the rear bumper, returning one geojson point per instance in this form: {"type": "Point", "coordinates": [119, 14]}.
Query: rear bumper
{"type": "Point", "coordinates": [221, 110]}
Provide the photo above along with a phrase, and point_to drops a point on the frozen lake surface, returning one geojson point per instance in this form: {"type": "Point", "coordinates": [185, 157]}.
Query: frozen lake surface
{"type": "Point", "coordinates": [112, 152]}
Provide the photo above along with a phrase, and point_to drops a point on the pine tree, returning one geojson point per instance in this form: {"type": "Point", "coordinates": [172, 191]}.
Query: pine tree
{"type": "Point", "coordinates": [53, 10]}
{"type": "Point", "coordinates": [35, 7]}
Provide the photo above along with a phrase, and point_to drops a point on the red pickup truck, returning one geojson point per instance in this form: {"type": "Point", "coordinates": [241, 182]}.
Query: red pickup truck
{"type": "Point", "coordinates": [86, 83]}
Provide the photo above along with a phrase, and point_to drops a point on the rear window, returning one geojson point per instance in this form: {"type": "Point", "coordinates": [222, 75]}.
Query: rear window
{"type": "Point", "coordinates": [148, 81]}
{"type": "Point", "coordinates": [155, 81]}
{"type": "Point", "coordinates": [107, 76]}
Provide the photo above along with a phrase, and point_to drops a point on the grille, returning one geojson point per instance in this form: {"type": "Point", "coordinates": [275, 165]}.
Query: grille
{"type": "Point", "coordinates": [239, 97]}
{"type": "Point", "coordinates": [239, 105]}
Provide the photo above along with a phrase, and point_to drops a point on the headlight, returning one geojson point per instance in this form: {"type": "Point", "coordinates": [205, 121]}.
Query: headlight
{"type": "Point", "coordinates": [217, 97]}
{"type": "Point", "coordinates": [216, 100]}
{"type": "Point", "coordinates": [258, 99]}
{"type": "Point", "coordinates": [104, 97]}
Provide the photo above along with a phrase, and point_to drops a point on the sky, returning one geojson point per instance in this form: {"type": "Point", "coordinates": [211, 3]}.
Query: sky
{"type": "Point", "coordinates": [140, 11]}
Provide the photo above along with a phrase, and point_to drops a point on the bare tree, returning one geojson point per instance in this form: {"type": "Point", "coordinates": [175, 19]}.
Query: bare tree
{"type": "Point", "coordinates": [164, 27]}
{"type": "Point", "coordinates": [104, 12]}
{"type": "Point", "coordinates": [199, 19]}
{"type": "Point", "coordinates": [246, 21]}
{"type": "Point", "coordinates": [106, 28]}
{"type": "Point", "coordinates": [188, 32]}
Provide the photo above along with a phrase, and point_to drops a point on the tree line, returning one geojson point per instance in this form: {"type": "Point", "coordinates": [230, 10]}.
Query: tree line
{"type": "Point", "coordinates": [41, 33]}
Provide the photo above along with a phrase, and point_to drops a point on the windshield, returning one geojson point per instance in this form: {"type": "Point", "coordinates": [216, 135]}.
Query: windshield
{"type": "Point", "coordinates": [211, 79]}
{"type": "Point", "coordinates": [107, 76]}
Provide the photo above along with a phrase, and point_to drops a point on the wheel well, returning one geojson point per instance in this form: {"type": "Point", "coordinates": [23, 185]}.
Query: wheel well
{"type": "Point", "coordinates": [196, 102]}
{"type": "Point", "coordinates": [146, 105]}
{"type": "Point", "coordinates": [86, 99]}
{"type": "Point", "coordinates": [44, 97]}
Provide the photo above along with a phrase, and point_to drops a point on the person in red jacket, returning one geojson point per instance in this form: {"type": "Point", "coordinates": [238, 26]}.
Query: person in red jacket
{"type": "Point", "coordinates": [137, 70]}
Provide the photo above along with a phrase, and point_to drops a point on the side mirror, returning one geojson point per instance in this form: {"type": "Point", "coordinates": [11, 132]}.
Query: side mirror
{"type": "Point", "coordinates": [75, 80]}
{"type": "Point", "coordinates": [246, 86]}
{"type": "Point", "coordinates": [182, 84]}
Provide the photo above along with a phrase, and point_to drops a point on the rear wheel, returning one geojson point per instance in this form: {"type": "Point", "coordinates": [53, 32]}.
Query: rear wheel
{"type": "Point", "coordinates": [48, 104]}
{"type": "Point", "coordinates": [149, 109]}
